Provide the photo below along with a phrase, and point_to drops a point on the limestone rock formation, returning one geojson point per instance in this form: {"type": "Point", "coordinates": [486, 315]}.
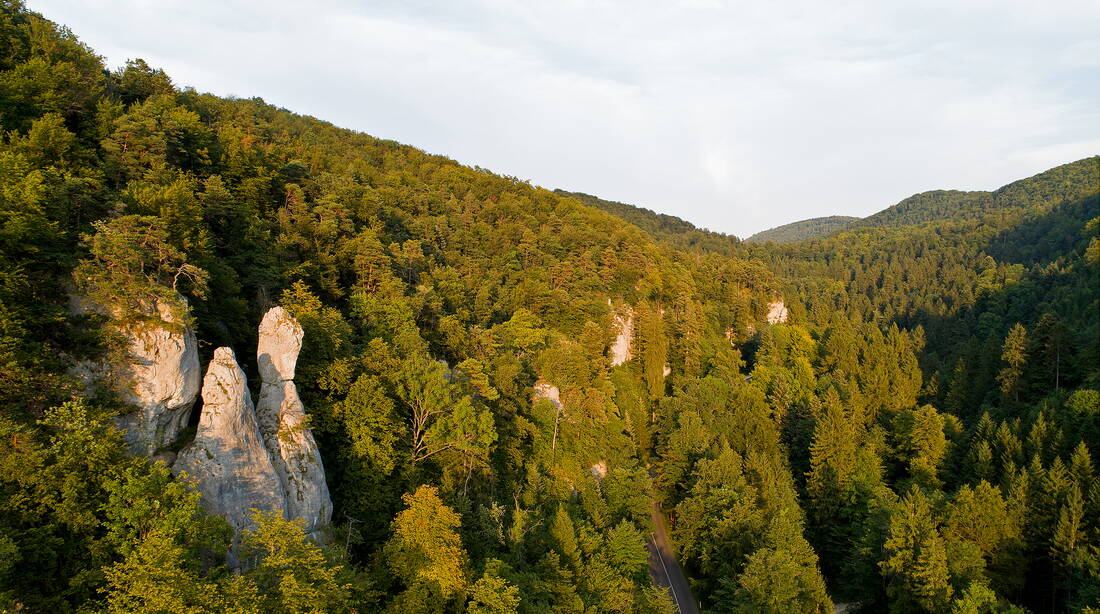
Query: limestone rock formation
{"type": "Point", "coordinates": [546, 390]}
{"type": "Point", "coordinates": [620, 348]}
{"type": "Point", "coordinates": [777, 312]}
{"type": "Point", "coordinates": [161, 376]}
{"type": "Point", "coordinates": [232, 468]}
{"type": "Point", "coordinates": [284, 425]}
{"type": "Point", "coordinates": [279, 344]}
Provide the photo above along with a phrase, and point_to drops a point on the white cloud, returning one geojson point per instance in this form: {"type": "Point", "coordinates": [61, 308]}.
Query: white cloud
{"type": "Point", "coordinates": [735, 116]}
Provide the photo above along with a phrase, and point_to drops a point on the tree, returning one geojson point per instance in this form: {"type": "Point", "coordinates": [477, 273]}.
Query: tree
{"type": "Point", "coordinates": [921, 443]}
{"type": "Point", "coordinates": [370, 421]}
{"type": "Point", "coordinates": [492, 594]}
{"type": "Point", "coordinates": [156, 578]}
{"type": "Point", "coordinates": [983, 518]}
{"type": "Point", "coordinates": [1052, 347]}
{"type": "Point", "coordinates": [291, 574]}
{"type": "Point", "coordinates": [1014, 355]}
{"type": "Point", "coordinates": [626, 550]}
{"type": "Point", "coordinates": [720, 522]}
{"type": "Point", "coordinates": [133, 268]}
{"type": "Point", "coordinates": [138, 81]}
{"type": "Point", "coordinates": [438, 420]}
{"type": "Point", "coordinates": [783, 575]}
{"type": "Point", "coordinates": [980, 599]}
{"type": "Point", "coordinates": [653, 348]}
{"type": "Point", "coordinates": [565, 537]}
{"type": "Point", "coordinates": [776, 581]}
{"type": "Point", "coordinates": [915, 568]}
{"type": "Point", "coordinates": [426, 553]}
{"type": "Point", "coordinates": [145, 499]}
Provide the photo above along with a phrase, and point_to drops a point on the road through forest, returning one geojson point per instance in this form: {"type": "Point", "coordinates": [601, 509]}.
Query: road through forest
{"type": "Point", "coordinates": [663, 567]}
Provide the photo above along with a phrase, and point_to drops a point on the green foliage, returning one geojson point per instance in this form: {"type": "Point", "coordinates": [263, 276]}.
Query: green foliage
{"type": "Point", "coordinates": [155, 578]}
{"type": "Point", "coordinates": [134, 269]}
{"type": "Point", "coordinates": [1014, 356]}
{"type": "Point", "coordinates": [803, 230]}
{"type": "Point", "coordinates": [916, 559]}
{"type": "Point", "coordinates": [426, 553]}
{"type": "Point", "coordinates": [292, 575]}
{"type": "Point", "coordinates": [493, 595]}
{"type": "Point", "coordinates": [945, 348]}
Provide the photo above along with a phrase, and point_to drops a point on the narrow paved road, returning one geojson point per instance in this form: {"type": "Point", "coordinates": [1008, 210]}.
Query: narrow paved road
{"type": "Point", "coordinates": [663, 567]}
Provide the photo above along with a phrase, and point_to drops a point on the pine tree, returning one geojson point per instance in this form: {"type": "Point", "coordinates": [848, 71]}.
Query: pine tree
{"type": "Point", "coordinates": [915, 568]}
{"type": "Point", "coordinates": [1014, 356]}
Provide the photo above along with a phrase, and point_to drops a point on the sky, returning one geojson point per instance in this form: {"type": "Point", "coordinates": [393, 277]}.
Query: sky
{"type": "Point", "coordinates": [736, 116]}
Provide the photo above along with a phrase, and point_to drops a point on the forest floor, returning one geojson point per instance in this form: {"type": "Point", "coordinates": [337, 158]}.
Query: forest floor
{"type": "Point", "coordinates": [663, 566]}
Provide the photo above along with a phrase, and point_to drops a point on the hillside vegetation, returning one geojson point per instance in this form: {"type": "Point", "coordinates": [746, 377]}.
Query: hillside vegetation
{"type": "Point", "coordinates": [804, 229]}
{"type": "Point", "coordinates": [919, 435]}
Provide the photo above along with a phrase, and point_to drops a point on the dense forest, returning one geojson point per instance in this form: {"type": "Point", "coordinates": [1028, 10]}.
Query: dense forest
{"type": "Point", "coordinates": [503, 380]}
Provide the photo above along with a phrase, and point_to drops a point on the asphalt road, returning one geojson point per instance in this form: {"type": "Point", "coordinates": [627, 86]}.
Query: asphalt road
{"type": "Point", "coordinates": [663, 567]}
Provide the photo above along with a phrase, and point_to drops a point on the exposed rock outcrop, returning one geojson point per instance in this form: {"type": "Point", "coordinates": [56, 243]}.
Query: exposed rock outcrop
{"type": "Point", "coordinates": [546, 390]}
{"type": "Point", "coordinates": [228, 460]}
{"type": "Point", "coordinates": [620, 348]}
{"type": "Point", "coordinates": [777, 312]}
{"type": "Point", "coordinates": [161, 376]}
{"type": "Point", "coordinates": [284, 425]}
{"type": "Point", "coordinates": [599, 470]}
{"type": "Point", "coordinates": [261, 456]}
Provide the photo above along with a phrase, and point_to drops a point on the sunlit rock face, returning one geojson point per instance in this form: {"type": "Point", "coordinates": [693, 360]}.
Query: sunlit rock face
{"type": "Point", "coordinates": [777, 312]}
{"type": "Point", "coordinates": [624, 327]}
{"type": "Point", "coordinates": [599, 470]}
{"type": "Point", "coordinates": [284, 425]}
{"type": "Point", "coordinates": [262, 456]}
{"type": "Point", "coordinates": [161, 376]}
{"type": "Point", "coordinates": [546, 390]}
{"type": "Point", "coordinates": [232, 468]}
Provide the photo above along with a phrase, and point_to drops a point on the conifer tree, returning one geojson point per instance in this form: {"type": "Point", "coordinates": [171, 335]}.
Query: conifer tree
{"type": "Point", "coordinates": [915, 568]}
{"type": "Point", "coordinates": [1014, 357]}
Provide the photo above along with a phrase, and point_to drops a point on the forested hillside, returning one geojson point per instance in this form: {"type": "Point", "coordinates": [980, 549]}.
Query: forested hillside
{"type": "Point", "coordinates": [667, 229]}
{"type": "Point", "coordinates": [804, 229]}
{"type": "Point", "coordinates": [502, 380]}
{"type": "Point", "coordinates": [1064, 183]}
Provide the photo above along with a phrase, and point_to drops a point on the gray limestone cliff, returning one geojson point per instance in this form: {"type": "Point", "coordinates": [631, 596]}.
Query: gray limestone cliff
{"type": "Point", "coordinates": [228, 460]}
{"type": "Point", "coordinates": [624, 335]}
{"type": "Point", "coordinates": [777, 312]}
{"type": "Point", "coordinates": [160, 376]}
{"type": "Point", "coordinates": [284, 424]}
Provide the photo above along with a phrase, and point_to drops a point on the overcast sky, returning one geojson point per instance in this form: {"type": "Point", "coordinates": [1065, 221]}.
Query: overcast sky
{"type": "Point", "coordinates": [736, 116]}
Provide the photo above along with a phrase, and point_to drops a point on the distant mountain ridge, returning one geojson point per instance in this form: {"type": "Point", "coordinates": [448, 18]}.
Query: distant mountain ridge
{"type": "Point", "coordinates": [665, 228]}
{"type": "Point", "coordinates": [1067, 182]}
{"type": "Point", "coordinates": [1061, 183]}
{"type": "Point", "coordinates": [804, 229]}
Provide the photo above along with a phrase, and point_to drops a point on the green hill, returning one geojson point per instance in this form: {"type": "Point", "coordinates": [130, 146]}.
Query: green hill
{"type": "Point", "coordinates": [668, 229]}
{"type": "Point", "coordinates": [1062, 183]}
{"type": "Point", "coordinates": [504, 381]}
{"type": "Point", "coordinates": [804, 229]}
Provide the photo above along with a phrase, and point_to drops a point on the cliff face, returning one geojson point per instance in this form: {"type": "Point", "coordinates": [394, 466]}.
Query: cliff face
{"type": "Point", "coordinates": [164, 381]}
{"type": "Point", "coordinates": [624, 326]}
{"type": "Point", "coordinates": [160, 376]}
{"type": "Point", "coordinates": [777, 312]}
{"type": "Point", "coordinates": [284, 424]}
